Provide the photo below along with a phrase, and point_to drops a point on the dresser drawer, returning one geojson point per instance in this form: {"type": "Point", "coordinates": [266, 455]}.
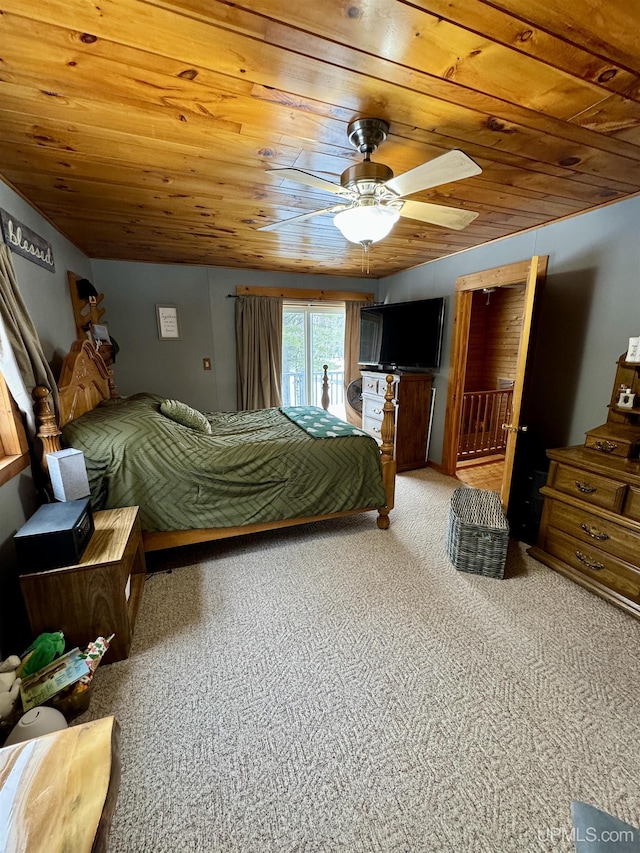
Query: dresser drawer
{"type": "Point", "coordinates": [594, 563]}
{"type": "Point", "coordinates": [595, 532]}
{"type": "Point", "coordinates": [607, 445]}
{"type": "Point", "coordinates": [373, 385]}
{"type": "Point", "coordinates": [620, 440]}
{"type": "Point", "coordinates": [372, 408]}
{"type": "Point", "coordinates": [632, 503]}
{"type": "Point", "coordinates": [589, 487]}
{"type": "Point", "coordinates": [373, 426]}
{"type": "Point", "coordinates": [369, 385]}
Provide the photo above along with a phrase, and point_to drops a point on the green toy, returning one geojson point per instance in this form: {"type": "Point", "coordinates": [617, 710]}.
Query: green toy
{"type": "Point", "coordinates": [43, 650]}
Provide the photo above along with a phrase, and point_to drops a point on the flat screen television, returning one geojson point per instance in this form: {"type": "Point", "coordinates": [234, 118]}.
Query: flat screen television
{"type": "Point", "coordinates": [403, 335]}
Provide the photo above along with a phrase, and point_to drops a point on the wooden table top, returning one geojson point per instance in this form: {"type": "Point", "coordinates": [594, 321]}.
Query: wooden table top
{"type": "Point", "coordinates": [58, 792]}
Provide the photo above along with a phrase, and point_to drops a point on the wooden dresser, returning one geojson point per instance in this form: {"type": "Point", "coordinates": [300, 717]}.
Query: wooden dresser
{"type": "Point", "coordinates": [412, 392]}
{"type": "Point", "coordinates": [590, 528]}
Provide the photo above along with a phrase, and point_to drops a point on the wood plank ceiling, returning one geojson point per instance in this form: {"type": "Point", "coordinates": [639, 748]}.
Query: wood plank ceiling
{"type": "Point", "coordinates": [144, 130]}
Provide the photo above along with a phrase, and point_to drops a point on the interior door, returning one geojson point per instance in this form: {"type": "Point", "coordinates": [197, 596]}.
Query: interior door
{"type": "Point", "coordinates": [531, 273]}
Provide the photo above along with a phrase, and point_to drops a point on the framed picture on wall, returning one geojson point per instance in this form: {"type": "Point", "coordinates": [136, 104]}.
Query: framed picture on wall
{"type": "Point", "coordinates": [168, 322]}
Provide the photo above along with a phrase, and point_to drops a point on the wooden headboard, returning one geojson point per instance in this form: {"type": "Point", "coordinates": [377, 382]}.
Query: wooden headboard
{"type": "Point", "coordinates": [85, 381]}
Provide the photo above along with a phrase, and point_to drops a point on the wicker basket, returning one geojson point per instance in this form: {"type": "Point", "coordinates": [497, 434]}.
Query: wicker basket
{"type": "Point", "coordinates": [478, 532]}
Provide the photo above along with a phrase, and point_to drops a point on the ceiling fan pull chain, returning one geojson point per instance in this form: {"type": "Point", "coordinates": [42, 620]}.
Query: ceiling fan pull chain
{"type": "Point", "coordinates": [365, 254]}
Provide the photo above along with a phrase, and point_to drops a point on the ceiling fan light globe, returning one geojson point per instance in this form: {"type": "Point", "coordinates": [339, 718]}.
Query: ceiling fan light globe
{"type": "Point", "coordinates": [366, 224]}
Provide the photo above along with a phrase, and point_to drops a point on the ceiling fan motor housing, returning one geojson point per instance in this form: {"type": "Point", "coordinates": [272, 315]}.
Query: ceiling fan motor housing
{"type": "Point", "coordinates": [365, 177]}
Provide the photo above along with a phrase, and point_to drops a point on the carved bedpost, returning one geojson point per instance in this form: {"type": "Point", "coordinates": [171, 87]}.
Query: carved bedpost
{"type": "Point", "coordinates": [48, 431]}
{"type": "Point", "coordinates": [325, 387]}
{"type": "Point", "coordinates": [386, 455]}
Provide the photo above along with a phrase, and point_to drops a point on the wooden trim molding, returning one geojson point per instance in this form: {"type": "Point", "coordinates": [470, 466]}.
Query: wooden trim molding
{"type": "Point", "coordinates": [14, 449]}
{"type": "Point", "coordinates": [306, 295]}
{"type": "Point", "coordinates": [10, 466]}
{"type": "Point", "coordinates": [517, 273]}
{"type": "Point", "coordinates": [12, 434]}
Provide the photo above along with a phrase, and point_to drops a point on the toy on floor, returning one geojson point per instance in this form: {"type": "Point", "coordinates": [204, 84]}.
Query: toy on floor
{"type": "Point", "coordinates": [9, 686]}
{"type": "Point", "coordinates": [94, 653]}
{"type": "Point", "coordinates": [74, 700]}
{"type": "Point", "coordinates": [43, 650]}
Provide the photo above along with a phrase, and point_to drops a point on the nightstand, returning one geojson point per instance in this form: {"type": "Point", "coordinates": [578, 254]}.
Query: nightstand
{"type": "Point", "coordinates": [99, 595]}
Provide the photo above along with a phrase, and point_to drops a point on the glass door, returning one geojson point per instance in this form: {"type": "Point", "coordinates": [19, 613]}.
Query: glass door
{"type": "Point", "coordinates": [312, 335]}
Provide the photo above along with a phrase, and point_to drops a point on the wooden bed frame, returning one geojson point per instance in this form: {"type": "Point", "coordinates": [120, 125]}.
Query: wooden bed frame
{"type": "Point", "coordinates": [85, 381]}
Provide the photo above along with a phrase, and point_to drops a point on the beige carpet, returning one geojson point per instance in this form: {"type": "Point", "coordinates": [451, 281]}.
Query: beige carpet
{"type": "Point", "coordinates": [341, 688]}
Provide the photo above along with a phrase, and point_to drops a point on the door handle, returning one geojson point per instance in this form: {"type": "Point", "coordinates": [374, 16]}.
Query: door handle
{"type": "Point", "coordinates": [512, 428]}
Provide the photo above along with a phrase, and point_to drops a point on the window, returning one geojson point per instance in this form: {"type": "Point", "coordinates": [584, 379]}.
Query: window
{"type": "Point", "coordinates": [14, 455]}
{"type": "Point", "coordinates": [312, 335]}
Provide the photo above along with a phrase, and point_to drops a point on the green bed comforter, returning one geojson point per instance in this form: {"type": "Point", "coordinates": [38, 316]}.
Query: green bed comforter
{"type": "Point", "coordinates": [255, 466]}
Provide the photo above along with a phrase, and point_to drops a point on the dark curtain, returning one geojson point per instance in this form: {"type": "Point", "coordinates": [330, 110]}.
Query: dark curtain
{"type": "Point", "coordinates": [259, 351]}
{"type": "Point", "coordinates": [22, 360]}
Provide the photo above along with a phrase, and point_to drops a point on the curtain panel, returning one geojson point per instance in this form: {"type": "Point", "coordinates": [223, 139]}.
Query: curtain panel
{"type": "Point", "coordinates": [259, 351]}
{"type": "Point", "coordinates": [351, 352]}
{"type": "Point", "coordinates": [22, 359]}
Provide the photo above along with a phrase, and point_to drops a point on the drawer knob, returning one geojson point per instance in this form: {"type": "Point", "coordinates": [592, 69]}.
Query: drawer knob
{"type": "Point", "coordinates": [594, 533]}
{"type": "Point", "coordinates": [605, 446]}
{"type": "Point", "coordinates": [375, 429]}
{"type": "Point", "coordinates": [377, 411]}
{"type": "Point", "coordinates": [589, 562]}
{"type": "Point", "coordinates": [587, 488]}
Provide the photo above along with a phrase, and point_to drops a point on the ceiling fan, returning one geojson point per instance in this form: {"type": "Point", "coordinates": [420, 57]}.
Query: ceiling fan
{"type": "Point", "coordinates": [372, 200]}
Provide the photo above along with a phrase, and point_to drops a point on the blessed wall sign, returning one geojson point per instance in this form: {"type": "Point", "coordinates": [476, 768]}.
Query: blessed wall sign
{"type": "Point", "coordinates": [23, 241]}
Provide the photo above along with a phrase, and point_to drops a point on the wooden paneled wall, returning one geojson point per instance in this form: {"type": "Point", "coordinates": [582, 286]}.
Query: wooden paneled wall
{"type": "Point", "coordinates": [494, 334]}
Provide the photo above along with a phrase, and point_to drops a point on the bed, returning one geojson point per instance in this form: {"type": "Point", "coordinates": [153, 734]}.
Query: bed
{"type": "Point", "coordinates": [236, 473]}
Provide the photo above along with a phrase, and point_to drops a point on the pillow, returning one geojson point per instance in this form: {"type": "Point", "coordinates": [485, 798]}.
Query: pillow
{"type": "Point", "coordinates": [185, 415]}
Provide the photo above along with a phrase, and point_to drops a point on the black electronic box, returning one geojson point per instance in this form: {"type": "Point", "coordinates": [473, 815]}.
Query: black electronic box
{"type": "Point", "coordinates": [56, 535]}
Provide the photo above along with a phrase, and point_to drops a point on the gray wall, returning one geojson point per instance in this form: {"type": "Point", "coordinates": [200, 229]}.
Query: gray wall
{"type": "Point", "coordinates": [174, 368]}
{"type": "Point", "coordinates": [588, 309]}
{"type": "Point", "coordinates": [46, 295]}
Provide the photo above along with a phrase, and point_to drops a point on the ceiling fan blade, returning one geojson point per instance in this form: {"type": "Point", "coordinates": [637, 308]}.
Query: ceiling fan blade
{"type": "Point", "coordinates": [438, 214]}
{"type": "Point", "coordinates": [275, 225]}
{"type": "Point", "coordinates": [310, 180]}
{"type": "Point", "coordinates": [452, 166]}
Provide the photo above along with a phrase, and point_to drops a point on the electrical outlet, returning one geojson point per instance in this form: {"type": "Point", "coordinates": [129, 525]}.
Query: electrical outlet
{"type": "Point", "coordinates": [206, 364]}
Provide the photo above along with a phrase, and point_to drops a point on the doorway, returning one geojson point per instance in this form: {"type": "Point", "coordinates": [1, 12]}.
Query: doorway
{"type": "Point", "coordinates": [494, 336]}
{"type": "Point", "coordinates": [491, 332]}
